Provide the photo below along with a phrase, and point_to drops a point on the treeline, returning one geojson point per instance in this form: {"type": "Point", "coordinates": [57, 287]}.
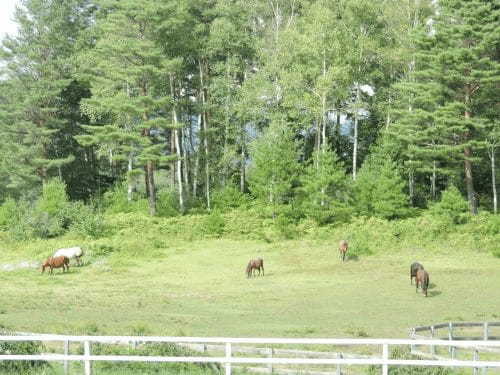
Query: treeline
{"type": "Point", "coordinates": [322, 108]}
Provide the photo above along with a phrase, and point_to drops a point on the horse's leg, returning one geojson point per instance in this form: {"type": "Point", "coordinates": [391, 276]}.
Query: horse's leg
{"type": "Point", "coordinates": [262, 270]}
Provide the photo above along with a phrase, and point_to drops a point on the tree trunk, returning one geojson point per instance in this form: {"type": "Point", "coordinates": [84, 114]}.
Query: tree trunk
{"type": "Point", "coordinates": [493, 181]}
{"type": "Point", "coordinates": [242, 170]}
{"type": "Point", "coordinates": [152, 189]}
{"type": "Point", "coordinates": [205, 137]}
{"type": "Point", "coordinates": [175, 135]}
{"type": "Point", "coordinates": [355, 146]}
{"type": "Point", "coordinates": [129, 179]}
{"type": "Point", "coordinates": [411, 186]}
{"type": "Point", "coordinates": [185, 166]}
{"type": "Point", "coordinates": [469, 181]}
{"type": "Point", "coordinates": [433, 181]}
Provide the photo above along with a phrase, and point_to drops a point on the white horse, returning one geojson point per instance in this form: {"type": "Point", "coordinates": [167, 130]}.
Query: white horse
{"type": "Point", "coordinates": [71, 252]}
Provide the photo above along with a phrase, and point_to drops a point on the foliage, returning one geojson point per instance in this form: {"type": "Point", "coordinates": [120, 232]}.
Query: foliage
{"type": "Point", "coordinates": [21, 347]}
{"type": "Point", "coordinates": [167, 205]}
{"type": "Point", "coordinates": [324, 190]}
{"type": "Point", "coordinates": [275, 165]}
{"type": "Point", "coordinates": [213, 224]}
{"type": "Point", "coordinates": [115, 201]}
{"type": "Point", "coordinates": [452, 206]}
{"type": "Point", "coordinates": [229, 198]}
{"type": "Point", "coordinates": [379, 190]}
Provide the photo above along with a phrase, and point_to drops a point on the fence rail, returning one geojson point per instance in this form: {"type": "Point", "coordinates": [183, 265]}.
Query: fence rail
{"type": "Point", "coordinates": [229, 359]}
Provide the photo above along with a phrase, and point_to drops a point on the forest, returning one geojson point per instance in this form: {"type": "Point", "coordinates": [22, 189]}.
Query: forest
{"type": "Point", "coordinates": [305, 109]}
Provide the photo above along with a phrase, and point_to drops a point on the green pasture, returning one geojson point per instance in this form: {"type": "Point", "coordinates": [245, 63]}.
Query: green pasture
{"type": "Point", "coordinates": [159, 284]}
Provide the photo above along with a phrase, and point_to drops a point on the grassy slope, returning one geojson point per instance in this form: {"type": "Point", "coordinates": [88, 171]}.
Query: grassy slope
{"type": "Point", "coordinates": [198, 287]}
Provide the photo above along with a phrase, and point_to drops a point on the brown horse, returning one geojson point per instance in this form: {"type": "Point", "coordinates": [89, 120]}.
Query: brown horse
{"type": "Point", "coordinates": [343, 246]}
{"type": "Point", "coordinates": [422, 279]}
{"type": "Point", "coordinates": [255, 264]}
{"type": "Point", "coordinates": [56, 262]}
{"type": "Point", "coordinates": [413, 270]}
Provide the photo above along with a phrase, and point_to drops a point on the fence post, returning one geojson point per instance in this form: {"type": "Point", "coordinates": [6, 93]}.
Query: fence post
{"type": "Point", "coordinates": [88, 365]}
{"type": "Point", "coordinates": [485, 331]}
{"type": "Point", "coordinates": [270, 355]}
{"type": "Point", "coordinates": [228, 356]}
{"type": "Point", "coordinates": [385, 356]}
{"type": "Point", "coordinates": [450, 334]}
{"type": "Point", "coordinates": [476, 357]}
{"type": "Point", "coordinates": [66, 352]}
{"type": "Point", "coordinates": [433, 348]}
{"type": "Point", "coordinates": [339, 356]}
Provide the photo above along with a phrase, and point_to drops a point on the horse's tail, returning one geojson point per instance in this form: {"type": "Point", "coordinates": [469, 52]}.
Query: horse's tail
{"type": "Point", "coordinates": [262, 265]}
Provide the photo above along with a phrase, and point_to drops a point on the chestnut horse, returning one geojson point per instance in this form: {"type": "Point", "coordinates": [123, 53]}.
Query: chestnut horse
{"type": "Point", "coordinates": [255, 264]}
{"type": "Point", "coordinates": [343, 245]}
{"type": "Point", "coordinates": [56, 262]}
{"type": "Point", "coordinates": [413, 270]}
{"type": "Point", "coordinates": [422, 279]}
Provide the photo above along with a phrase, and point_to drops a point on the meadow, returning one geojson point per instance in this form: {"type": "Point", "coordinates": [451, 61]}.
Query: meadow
{"type": "Point", "coordinates": [144, 278]}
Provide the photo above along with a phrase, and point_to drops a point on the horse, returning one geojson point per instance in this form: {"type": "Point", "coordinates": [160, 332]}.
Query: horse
{"type": "Point", "coordinates": [255, 264]}
{"type": "Point", "coordinates": [70, 253]}
{"type": "Point", "coordinates": [343, 245]}
{"type": "Point", "coordinates": [422, 279]}
{"type": "Point", "coordinates": [413, 270]}
{"type": "Point", "coordinates": [56, 262]}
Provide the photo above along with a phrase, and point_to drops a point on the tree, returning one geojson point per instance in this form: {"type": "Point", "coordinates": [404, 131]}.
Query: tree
{"type": "Point", "coordinates": [456, 63]}
{"type": "Point", "coordinates": [275, 164]}
{"type": "Point", "coordinates": [379, 189]}
{"type": "Point", "coordinates": [125, 69]}
{"type": "Point", "coordinates": [38, 114]}
{"type": "Point", "coordinates": [324, 187]}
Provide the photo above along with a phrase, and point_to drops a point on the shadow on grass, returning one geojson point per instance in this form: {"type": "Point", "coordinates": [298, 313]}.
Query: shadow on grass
{"type": "Point", "coordinates": [352, 257]}
{"type": "Point", "coordinates": [434, 293]}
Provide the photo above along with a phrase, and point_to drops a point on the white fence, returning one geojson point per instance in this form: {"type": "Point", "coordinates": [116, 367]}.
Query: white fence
{"type": "Point", "coordinates": [228, 359]}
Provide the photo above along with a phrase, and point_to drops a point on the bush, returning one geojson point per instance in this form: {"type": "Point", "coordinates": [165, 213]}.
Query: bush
{"type": "Point", "coordinates": [228, 198]}
{"type": "Point", "coordinates": [213, 224]}
{"type": "Point", "coordinates": [116, 201]}
{"type": "Point", "coordinates": [21, 347]}
{"type": "Point", "coordinates": [7, 212]}
{"type": "Point", "coordinates": [167, 204]}
{"type": "Point", "coordinates": [85, 221]}
{"type": "Point", "coordinates": [452, 207]}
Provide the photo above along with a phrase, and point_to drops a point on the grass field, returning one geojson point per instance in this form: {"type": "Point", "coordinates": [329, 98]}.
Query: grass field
{"type": "Point", "coordinates": [166, 285]}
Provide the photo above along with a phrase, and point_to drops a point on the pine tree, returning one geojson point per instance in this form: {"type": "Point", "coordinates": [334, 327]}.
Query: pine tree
{"type": "Point", "coordinates": [36, 117]}
{"type": "Point", "coordinates": [126, 69]}
{"type": "Point", "coordinates": [456, 62]}
{"type": "Point", "coordinates": [275, 165]}
{"type": "Point", "coordinates": [379, 189]}
{"type": "Point", "coordinates": [324, 187]}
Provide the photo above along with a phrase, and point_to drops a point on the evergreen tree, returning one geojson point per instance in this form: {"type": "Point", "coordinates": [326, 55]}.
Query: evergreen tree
{"type": "Point", "coordinates": [275, 165]}
{"type": "Point", "coordinates": [456, 62]}
{"type": "Point", "coordinates": [36, 117]}
{"type": "Point", "coordinates": [379, 189]}
{"type": "Point", "coordinates": [324, 187]}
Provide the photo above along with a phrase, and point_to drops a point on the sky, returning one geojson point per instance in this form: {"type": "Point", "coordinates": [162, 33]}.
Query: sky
{"type": "Point", "coordinates": [6, 14]}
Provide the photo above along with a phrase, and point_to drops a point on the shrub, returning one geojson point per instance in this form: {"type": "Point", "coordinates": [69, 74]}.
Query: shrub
{"type": "Point", "coordinates": [167, 204]}
{"type": "Point", "coordinates": [452, 206]}
{"type": "Point", "coordinates": [116, 201]}
{"type": "Point", "coordinates": [7, 212]}
{"type": "Point", "coordinates": [228, 198]}
{"type": "Point", "coordinates": [213, 224]}
{"type": "Point", "coordinates": [21, 347]}
{"type": "Point", "coordinates": [85, 221]}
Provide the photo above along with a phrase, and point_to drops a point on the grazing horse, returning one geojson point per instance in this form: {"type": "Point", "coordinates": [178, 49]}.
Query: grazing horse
{"type": "Point", "coordinates": [56, 262]}
{"type": "Point", "coordinates": [343, 245]}
{"type": "Point", "coordinates": [255, 264]}
{"type": "Point", "coordinates": [413, 270]}
{"type": "Point", "coordinates": [422, 279]}
{"type": "Point", "coordinates": [71, 252]}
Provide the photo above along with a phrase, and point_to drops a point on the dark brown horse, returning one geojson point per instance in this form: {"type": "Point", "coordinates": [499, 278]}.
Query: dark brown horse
{"type": "Point", "coordinates": [413, 270]}
{"type": "Point", "coordinates": [56, 262]}
{"type": "Point", "coordinates": [255, 264]}
{"type": "Point", "coordinates": [343, 246]}
{"type": "Point", "coordinates": [422, 279]}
